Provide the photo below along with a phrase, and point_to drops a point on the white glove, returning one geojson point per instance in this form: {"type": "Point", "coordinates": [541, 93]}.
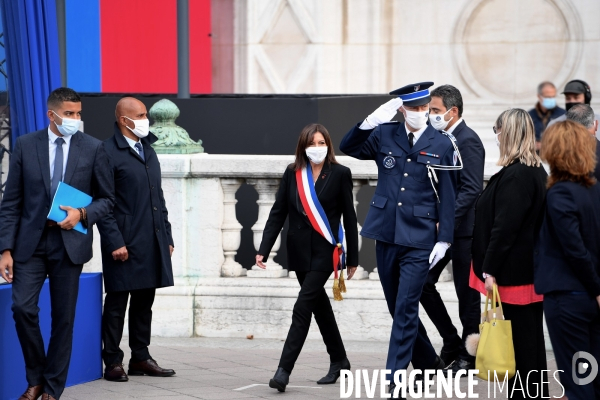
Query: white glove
{"type": "Point", "coordinates": [383, 114]}
{"type": "Point", "coordinates": [438, 252]}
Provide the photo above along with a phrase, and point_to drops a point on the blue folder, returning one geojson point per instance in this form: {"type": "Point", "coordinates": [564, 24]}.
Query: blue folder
{"type": "Point", "coordinates": [68, 196]}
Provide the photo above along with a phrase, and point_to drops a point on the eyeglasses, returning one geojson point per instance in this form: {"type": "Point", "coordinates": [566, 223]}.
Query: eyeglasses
{"type": "Point", "coordinates": [496, 131]}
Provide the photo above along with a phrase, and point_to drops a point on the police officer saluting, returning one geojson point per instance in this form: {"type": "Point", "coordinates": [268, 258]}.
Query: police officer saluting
{"type": "Point", "coordinates": [412, 212]}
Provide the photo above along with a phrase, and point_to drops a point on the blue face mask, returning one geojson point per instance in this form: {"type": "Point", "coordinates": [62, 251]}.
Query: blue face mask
{"type": "Point", "coordinates": [548, 103]}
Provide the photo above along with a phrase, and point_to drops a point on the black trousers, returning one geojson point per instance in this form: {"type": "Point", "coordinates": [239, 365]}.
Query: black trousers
{"type": "Point", "coordinates": [140, 321]}
{"type": "Point", "coordinates": [312, 299]}
{"type": "Point", "coordinates": [469, 300]}
{"type": "Point", "coordinates": [50, 260]}
{"type": "Point", "coordinates": [530, 350]}
{"type": "Point", "coordinates": [574, 325]}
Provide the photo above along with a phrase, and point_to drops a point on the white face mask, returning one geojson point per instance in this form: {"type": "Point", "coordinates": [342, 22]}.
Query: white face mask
{"type": "Point", "coordinates": [316, 154]}
{"type": "Point", "coordinates": [438, 122]}
{"type": "Point", "coordinates": [142, 127]}
{"type": "Point", "coordinates": [69, 126]}
{"type": "Point", "coordinates": [416, 120]}
{"type": "Point", "coordinates": [497, 140]}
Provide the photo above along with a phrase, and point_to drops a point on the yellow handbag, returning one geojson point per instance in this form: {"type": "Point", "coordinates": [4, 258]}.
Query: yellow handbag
{"type": "Point", "coordinates": [495, 351]}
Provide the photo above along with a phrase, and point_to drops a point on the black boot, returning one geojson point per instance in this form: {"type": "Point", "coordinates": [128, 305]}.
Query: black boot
{"type": "Point", "coordinates": [334, 372]}
{"type": "Point", "coordinates": [280, 380]}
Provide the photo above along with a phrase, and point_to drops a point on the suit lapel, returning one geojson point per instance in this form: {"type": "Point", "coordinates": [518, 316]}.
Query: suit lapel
{"type": "Point", "coordinates": [73, 158]}
{"type": "Point", "coordinates": [323, 179]}
{"type": "Point", "coordinates": [43, 148]}
{"type": "Point", "coordinates": [401, 138]}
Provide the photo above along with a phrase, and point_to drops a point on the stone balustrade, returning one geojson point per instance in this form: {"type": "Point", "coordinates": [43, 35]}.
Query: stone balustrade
{"type": "Point", "coordinates": [214, 295]}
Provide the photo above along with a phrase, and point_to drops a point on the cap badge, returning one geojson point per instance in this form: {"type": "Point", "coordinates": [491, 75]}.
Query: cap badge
{"type": "Point", "coordinates": [417, 88]}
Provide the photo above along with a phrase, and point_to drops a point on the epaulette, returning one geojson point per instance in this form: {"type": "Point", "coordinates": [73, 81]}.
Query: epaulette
{"type": "Point", "coordinates": [449, 136]}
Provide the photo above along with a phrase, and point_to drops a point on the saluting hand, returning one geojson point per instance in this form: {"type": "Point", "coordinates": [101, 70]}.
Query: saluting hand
{"type": "Point", "coordinates": [73, 217]}
{"type": "Point", "coordinates": [6, 266]}
{"type": "Point", "coordinates": [120, 254]}
{"type": "Point", "coordinates": [259, 261]}
{"type": "Point", "coordinates": [351, 271]}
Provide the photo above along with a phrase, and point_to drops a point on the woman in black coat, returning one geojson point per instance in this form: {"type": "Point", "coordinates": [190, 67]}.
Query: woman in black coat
{"type": "Point", "coordinates": [508, 215]}
{"type": "Point", "coordinates": [309, 253]}
{"type": "Point", "coordinates": [567, 253]}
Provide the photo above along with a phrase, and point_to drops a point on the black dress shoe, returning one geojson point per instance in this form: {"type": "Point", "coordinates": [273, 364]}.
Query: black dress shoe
{"type": "Point", "coordinates": [449, 356]}
{"type": "Point", "coordinates": [280, 380]}
{"type": "Point", "coordinates": [334, 372]}
{"type": "Point", "coordinates": [115, 373]}
{"type": "Point", "coordinates": [438, 364]}
{"type": "Point", "coordinates": [391, 392]}
{"type": "Point", "coordinates": [148, 367]}
{"type": "Point", "coordinates": [459, 365]}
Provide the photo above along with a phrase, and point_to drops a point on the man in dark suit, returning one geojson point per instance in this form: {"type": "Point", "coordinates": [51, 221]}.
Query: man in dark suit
{"type": "Point", "coordinates": [545, 109]}
{"type": "Point", "coordinates": [136, 243]}
{"type": "Point", "coordinates": [405, 212]}
{"type": "Point", "coordinates": [34, 247]}
{"type": "Point", "coordinates": [584, 115]}
{"type": "Point", "coordinates": [446, 115]}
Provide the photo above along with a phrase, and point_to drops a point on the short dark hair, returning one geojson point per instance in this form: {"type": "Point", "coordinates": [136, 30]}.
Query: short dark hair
{"type": "Point", "coordinates": [542, 85]}
{"type": "Point", "coordinates": [58, 96]}
{"type": "Point", "coordinates": [450, 96]}
{"type": "Point", "coordinates": [582, 114]}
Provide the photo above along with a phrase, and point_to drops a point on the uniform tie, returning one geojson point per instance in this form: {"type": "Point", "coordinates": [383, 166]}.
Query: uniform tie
{"type": "Point", "coordinates": [140, 150]}
{"type": "Point", "coordinates": [57, 175]}
{"type": "Point", "coordinates": [411, 138]}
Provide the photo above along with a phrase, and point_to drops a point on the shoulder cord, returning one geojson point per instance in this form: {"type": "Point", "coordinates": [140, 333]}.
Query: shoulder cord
{"type": "Point", "coordinates": [431, 168]}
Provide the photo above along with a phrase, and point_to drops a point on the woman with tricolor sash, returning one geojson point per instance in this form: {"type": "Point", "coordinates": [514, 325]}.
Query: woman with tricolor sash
{"type": "Point", "coordinates": [315, 192]}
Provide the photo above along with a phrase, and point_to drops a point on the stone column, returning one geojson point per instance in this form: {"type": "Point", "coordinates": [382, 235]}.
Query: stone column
{"type": "Point", "coordinates": [266, 189]}
{"type": "Point", "coordinates": [360, 271]}
{"type": "Point", "coordinates": [231, 228]}
{"type": "Point", "coordinates": [374, 276]}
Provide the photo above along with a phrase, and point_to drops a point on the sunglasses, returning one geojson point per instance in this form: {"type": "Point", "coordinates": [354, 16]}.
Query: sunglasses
{"type": "Point", "coordinates": [495, 130]}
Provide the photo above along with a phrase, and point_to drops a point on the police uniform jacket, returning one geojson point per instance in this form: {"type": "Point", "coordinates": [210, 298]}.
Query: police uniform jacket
{"type": "Point", "coordinates": [405, 209]}
{"type": "Point", "coordinates": [138, 221]}
{"type": "Point", "coordinates": [307, 250]}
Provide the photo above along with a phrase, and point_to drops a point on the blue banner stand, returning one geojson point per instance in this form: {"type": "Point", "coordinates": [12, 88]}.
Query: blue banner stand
{"type": "Point", "coordinates": [86, 359]}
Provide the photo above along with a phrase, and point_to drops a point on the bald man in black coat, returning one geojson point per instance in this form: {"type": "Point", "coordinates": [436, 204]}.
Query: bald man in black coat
{"type": "Point", "coordinates": [136, 243]}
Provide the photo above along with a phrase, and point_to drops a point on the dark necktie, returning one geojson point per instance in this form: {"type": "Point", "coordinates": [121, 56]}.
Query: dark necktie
{"type": "Point", "coordinates": [140, 150]}
{"type": "Point", "coordinates": [411, 138]}
{"type": "Point", "coordinates": [57, 175]}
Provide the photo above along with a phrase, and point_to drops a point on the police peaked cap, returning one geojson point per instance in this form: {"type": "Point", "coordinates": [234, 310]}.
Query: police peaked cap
{"type": "Point", "coordinates": [415, 94]}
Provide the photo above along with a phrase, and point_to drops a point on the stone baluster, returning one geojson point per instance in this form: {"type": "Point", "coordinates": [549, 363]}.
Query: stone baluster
{"type": "Point", "coordinates": [374, 276]}
{"type": "Point", "coordinates": [231, 228]}
{"type": "Point", "coordinates": [360, 271]}
{"type": "Point", "coordinates": [266, 189]}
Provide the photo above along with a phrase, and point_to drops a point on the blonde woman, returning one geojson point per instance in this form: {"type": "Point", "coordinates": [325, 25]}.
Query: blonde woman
{"type": "Point", "coordinates": [508, 215]}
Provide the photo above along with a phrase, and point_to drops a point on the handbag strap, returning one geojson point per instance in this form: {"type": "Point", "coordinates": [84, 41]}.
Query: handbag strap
{"type": "Point", "coordinates": [497, 295]}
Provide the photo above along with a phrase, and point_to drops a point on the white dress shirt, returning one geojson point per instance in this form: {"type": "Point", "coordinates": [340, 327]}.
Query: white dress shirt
{"type": "Point", "coordinates": [52, 151]}
{"type": "Point", "coordinates": [453, 126]}
{"type": "Point", "coordinates": [417, 133]}
{"type": "Point", "coordinates": [132, 143]}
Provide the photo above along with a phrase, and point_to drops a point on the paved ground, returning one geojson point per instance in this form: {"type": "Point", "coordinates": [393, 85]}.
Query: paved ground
{"type": "Point", "coordinates": [209, 368]}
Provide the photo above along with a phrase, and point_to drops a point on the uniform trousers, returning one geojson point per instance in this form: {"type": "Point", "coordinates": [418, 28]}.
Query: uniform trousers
{"type": "Point", "coordinates": [140, 321]}
{"type": "Point", "coordinates": [469, 300]}
{"type": "Point", "coordinates": [573, 321]}
{"type": "Point", "coordinates": [312, 300]}
{"type": "Point", "coordinates": [527, 323]}
{"type": "Point", "coordinates": [402, 272]}
{"type": "Point", "coordinates": [50, 259]}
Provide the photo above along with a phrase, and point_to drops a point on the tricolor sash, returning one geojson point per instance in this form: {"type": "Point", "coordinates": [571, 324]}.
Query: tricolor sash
{"type": "Point", "coordinates": [318, 220]}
